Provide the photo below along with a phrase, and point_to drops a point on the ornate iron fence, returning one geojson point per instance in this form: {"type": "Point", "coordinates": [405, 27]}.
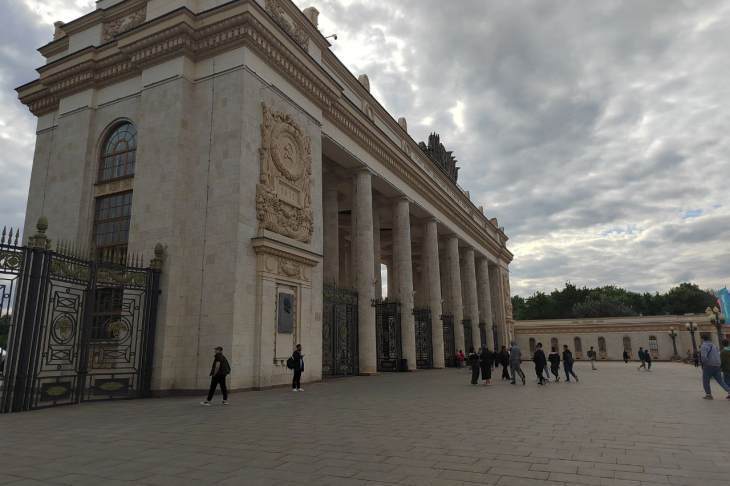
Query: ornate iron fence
{"type": "Point", "coordinates": [339, 332]}
{"type": "Point", "coordinates": [80, 329]}
{"type": "Point", "coordinates": [468, 341]}
{"type": "Point", "coordinates": [449, 340]}
{"type": "Point", "coordinates": [388, 334]}
{"type": "Point", "coordinates": [424, 342]}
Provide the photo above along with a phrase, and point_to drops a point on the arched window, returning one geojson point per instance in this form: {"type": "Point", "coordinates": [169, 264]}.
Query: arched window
{"type": "Point", "coordinates": [118, 153]}
{"type": "Point", "coordinates": [532, 345]}
{"type": "Point", "coordinates": [578, 345]}
{"type": "Point", "coordinates": [554, 344]}
{"type": "Point", "coordinates": [602, 344]}
{"type": "Point", "coordinates": [653, 346]}
{"type": "Point", "coordinates": [627, 344]}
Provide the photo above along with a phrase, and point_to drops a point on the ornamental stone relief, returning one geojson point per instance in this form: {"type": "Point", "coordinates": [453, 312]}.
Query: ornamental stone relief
{"type": "Point", "coordinates": [283, 195]}
{"type": "Point", "coordinates": [290, 26]}
{"type": "Point", "coordinates": [124, 23]}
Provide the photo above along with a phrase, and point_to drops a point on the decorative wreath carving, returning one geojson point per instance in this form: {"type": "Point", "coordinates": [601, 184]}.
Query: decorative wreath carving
{"type": "Point", "coordinates": [124, 23]}
{"type": "Point", "coordinates": [290, 26]}
{"type": "Point", "coordinates": [284, 193]}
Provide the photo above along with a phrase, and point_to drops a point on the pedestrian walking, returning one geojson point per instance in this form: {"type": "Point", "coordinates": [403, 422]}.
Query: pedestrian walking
{"type": "Point", "coordinates": [515, 363]}
{"type": "Point", "coordinates": [725, 361]}
{"type": "Point", "coordinates": [540, 363]}
{"type": "Point", "coordinates": [568, 364]}
{"type": "Point", "coordinates": [218, 372]}
{"type": "Point", "coordinates": [486, 361]}
{"type": "Point", "coordinates": [626, 356]}
{"type": "Point", "coordinates": [473, 361]}
{"type": "Point", "coordinates": [642, 358]}
{"type": "Point", "coordinates": [696, 358]}
{"type": "Point", "coordinates": [592, 357]}
{"type": "Point", "coordinates": [647, 358]}
{"type": "Point", "coordinates": [504, 361]}
{"type": "Point", "coordinates": [554, 358]}
{"type": "Point", "coordinates": [711, 366]}
{"type": "Point", "coordinates": [297, 358]}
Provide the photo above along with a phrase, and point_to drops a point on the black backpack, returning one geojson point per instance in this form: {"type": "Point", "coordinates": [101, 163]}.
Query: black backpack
{"type": "Point", "coordinates": [290, 363]}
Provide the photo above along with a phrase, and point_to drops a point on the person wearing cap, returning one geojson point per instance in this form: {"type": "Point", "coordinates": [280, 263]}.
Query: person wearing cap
{"type": "Point", "coordinates": [218, 373]}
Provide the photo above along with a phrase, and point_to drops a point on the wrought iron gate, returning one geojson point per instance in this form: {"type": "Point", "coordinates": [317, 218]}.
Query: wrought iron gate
{"type": "Point", "coordinates": [80, 329]}
{"type": "Point", "coordinates": [339, 332]}
{"type": "Point", "coordinates": [424, 343]}
{"type": "Point", "coordinates": [387, 334]}
{"type": "Point", "coordinates": [468, 342]}
{"type": "Point", "coordinates": [449, 340]}
{"type": "Point", "coordinates": [483, 334]}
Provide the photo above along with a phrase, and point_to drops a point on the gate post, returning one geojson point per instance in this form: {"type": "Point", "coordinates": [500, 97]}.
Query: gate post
{"type": "Point", "coordinates": [28, 319]}
{"type": "Point", "coordinates": [153, 298]}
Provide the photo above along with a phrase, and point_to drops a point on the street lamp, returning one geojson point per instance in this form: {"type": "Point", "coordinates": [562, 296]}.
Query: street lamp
{"type": "Point", "coordinates": [673, 335]}
{"type": "Point", "coordinates": [717, 318]}
{"type": "Point", "coordinates": [692, 327]}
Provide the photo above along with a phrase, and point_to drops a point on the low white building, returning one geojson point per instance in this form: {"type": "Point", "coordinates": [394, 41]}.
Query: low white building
{"type": "Point", "coordinates": [611, 336]}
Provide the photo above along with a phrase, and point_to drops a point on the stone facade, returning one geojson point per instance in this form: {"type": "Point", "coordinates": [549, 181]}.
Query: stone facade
{"type": "Point", "coordinates": [610, 336]}
{"type": "Point", "coordinates": [254, 144]}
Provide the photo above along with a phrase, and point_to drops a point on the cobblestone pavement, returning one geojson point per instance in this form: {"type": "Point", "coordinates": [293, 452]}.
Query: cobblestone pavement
{"type": "Point", "coordinates": [618, 426]}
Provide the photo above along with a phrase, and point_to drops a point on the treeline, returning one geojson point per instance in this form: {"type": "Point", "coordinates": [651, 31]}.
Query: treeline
{"type": "Point", "coordinates": [610, 301]}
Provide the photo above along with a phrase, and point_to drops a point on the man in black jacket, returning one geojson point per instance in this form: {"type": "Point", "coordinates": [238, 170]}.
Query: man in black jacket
{"type": "Point", "coordinates": [298, 358]}
{"type": "Point", "coordinates": [504, 361]}
{"type": "Point", "coordinates": [568, 364]}
{"type": "Point", "coordinates": [218, 373]}
{"type": "Point", "coordinates": [540, 362]}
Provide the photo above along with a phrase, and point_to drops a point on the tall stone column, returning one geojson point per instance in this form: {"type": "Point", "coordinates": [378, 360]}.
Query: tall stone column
{"type": "Point", "coordinates": [376, 252]}
{"type": "Point", "coordinates": [456, 304]}
{"type": "Point", "coordinates": [471, 306]}
{"type": "Point", "coordinates": [497, 305]}
{"type": "Point", "coordinates": [485, 299]}
{"type": "Point", "coordinates": [432, 278]}
{"type": "Point", "coordinates": [362, 232]}
{"type": "Point", "coordinates": [331, 234]}
{"type": "Point", "coordinates": [402, 257]}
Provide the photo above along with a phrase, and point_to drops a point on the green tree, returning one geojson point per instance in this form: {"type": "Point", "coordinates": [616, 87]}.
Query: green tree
{"type": "Point", "coordinates": [688, 298]}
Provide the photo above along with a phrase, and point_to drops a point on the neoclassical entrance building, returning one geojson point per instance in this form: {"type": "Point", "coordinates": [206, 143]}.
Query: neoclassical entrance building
{"type": "Point", "coordinates": [279, 187]}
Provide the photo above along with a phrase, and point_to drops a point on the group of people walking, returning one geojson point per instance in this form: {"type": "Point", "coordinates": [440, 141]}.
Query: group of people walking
{"type": "Point", "coordinates": [483, 361]}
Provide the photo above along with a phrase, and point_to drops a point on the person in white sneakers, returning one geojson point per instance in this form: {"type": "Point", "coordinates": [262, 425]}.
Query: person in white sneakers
{"type": "Point", "coordinates": [298, 363]}
{"type": "Point", "coordinates": [218, 373]}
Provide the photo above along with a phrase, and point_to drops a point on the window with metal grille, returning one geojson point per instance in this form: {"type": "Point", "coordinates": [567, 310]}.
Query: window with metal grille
{"type": "Point", "coordinates": [118, 153]}
{"type": "Point", "coordinates": [653, 344]}
{"type": "Point", "coordinates": [111, 223]}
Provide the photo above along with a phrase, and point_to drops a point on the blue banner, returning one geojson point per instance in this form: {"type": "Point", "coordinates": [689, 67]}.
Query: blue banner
{"type": "Point", "coordinates": [723, 296]}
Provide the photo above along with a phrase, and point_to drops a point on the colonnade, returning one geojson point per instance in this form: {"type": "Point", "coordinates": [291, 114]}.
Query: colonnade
{"type": "Point", "coordinates": [428, 266]}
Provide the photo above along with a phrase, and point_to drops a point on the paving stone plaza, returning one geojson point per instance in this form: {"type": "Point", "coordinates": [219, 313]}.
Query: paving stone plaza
{"type": "Point", "coordinates": [617, 427]}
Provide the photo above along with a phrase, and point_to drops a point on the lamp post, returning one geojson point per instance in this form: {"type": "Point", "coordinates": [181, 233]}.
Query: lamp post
{"type": "Point", "coordinates": [673, 335]}
{"type": "Point", "coordinates": [717, 318]}
{"type": "Point", "coordinates": [692, 327]}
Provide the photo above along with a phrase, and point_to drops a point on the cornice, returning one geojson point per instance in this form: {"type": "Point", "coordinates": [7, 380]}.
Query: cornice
{"type": "Point", "coordinates": [245, 23]}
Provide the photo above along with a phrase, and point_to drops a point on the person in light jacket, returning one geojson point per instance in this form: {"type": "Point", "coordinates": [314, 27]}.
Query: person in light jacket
{"type": "Point", "coordinates": [515, 363]}
{"type": "Point", "coordinates": [711, 366]}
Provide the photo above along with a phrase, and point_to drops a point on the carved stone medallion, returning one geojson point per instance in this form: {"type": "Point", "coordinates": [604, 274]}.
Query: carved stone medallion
{"type": "Point", "coordinates": [283, 195]}
{"type": "Point", "coordinates": [290, 26]}
{"type": "Point", "coordinates": [123, 23]}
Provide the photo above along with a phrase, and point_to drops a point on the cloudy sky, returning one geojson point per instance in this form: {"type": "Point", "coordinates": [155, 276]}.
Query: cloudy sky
{"type": "Point", "coordinates": [596, 132]}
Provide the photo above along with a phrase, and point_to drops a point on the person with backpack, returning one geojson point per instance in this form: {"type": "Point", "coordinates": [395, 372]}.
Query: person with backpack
{"type": "Point", "coordinates": [592, 357]}
{"type": "Point", "coordinates": [711, 366]}
{"type": "Point", "coordinates": [218, 373]}
{"type": "Point", "coordinates": [486, 361]}
{"type": "Point", "coordinates": [472, 360]}
{"type": "Point", "coordinates": [504, 361]}
{"type": "Point", "coordinates": [296, 363]}
{"type": "Point", "coordinates": [554, 359]}
{"type": "Point", "coordinates": [540, 363]}
{"type": "Point", "coordinates": [568, 364]}
{"type": "Point", "coordinates": [642, 358]}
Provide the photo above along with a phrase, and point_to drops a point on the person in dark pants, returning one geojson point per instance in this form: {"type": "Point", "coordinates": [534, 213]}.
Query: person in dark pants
{"type": "Point", "coordinates": [540, 362]}
{"type": "Point", "coordinates": [568, 364]}
{"type": "Point", "coordinates": [696, 358]}
{"type": "Point", "coordinates": [486, 361]}
{"type": "Point", "coordinates": [626, 356]}
{"type": "Point", "coordinates": [504, 361]}
{"type": "Point", "coordinates": [218, 373]}
{"type": "Point", "coordinates": [298, 358]}
{"type": "Point", "coordinates": [472, 360]}
{"type": "Point", "coordinates": [554, 358]}
{"type": "Point", "coordinates": [515, 363]}
{"type": "Point", "coordinates": [647, 358]}
{"type": "Point", "coordinates": [642, 358]}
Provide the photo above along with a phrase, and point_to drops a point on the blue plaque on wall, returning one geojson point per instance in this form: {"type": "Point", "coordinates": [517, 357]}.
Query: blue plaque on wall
{"type": "Point", "coordinates": [285, 317]}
